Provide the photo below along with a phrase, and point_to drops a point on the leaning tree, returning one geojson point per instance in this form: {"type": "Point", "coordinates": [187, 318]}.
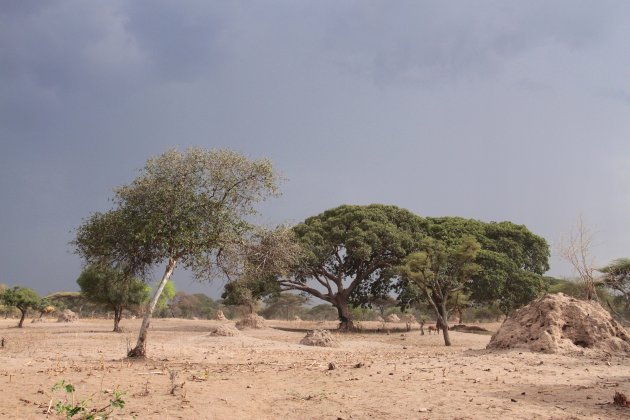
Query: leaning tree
{"type": "Point", "coordinates": [349, 254]}
{"type": "Point", "coordinates": [185, 209]}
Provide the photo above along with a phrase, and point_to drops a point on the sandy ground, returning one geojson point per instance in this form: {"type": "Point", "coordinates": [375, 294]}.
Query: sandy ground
{"type": "Point", "coordinates": [267, 374]}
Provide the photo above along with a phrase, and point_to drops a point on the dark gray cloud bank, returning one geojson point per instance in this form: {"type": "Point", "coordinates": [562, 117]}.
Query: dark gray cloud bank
{"type": "Point", "coordinates": [492, 110]}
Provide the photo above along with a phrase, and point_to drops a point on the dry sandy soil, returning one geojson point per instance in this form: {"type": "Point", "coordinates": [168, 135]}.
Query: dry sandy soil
{"type": "Point", "coordinates": [267, 374]}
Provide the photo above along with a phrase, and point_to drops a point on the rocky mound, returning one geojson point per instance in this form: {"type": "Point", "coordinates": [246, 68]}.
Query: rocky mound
{"type": "Point", "coordinates": [251, 321]}
{"type": "Point", "coordinates": [557, 323]}
{"type": "Point", "coordinates": [320, 338]}
{"type": "Point", "coordinates": [225, 331]}
{"type": "Point", "coordinates": [67, 316]}
{"type": "Point", "coordinates": [392, 318]}
{"type": "Point", "coordinates": [219, 316]}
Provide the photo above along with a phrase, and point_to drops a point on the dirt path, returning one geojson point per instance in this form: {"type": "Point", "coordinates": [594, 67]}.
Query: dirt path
{"type": "Point", "coordinates": [266, 374]}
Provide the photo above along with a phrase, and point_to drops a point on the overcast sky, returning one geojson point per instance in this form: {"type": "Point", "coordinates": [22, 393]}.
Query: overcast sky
{"type": "Point", "coordinates": [495, 110]}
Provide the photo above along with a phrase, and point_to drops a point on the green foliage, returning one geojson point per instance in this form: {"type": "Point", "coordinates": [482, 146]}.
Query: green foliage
{"type": "Point", "coordinates": [350, 252]}
{"type": "Point", "coordinates": [486, 313]}
{"type": "Point", "coordinates": [568, 287]}
{"type": "Point", "coordinates": [512, 261]}
{"type": "Point", "coordinates": [381, 303]}
{"type": "Point", "coordinates": [74, 301]}
{"type": "Point", "coordinates": [358, 313]}
{"type": "Point", "coordinates": [439, 269]}
{"type": "Point", "coordinates": [184, 206]}
{"type": "Point", "coordinates": [70, 408]}
{"type": "Point", "coordinates": [189, 209]}
{"type": "Point", "coordinates": [22, 298]}
{"type": "Point", "coordinates": [323, 312]}
{"type": "Point", "coordinates": [167, 296]}
{"type": "Point", "coordinates": [198, 305]}
{"type": "Point", "coordinates": [267, 255]}
{"type": "Point", "coordinates": [246, 291]}
{"type": "Point", "coordinates": [617, 278]}
{"type": "Point", "coordinates": [112, 287]}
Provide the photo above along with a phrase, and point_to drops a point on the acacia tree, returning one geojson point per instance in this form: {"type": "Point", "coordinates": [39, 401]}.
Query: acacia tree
{"type": "Point", "coordinates": [512, 259]}
{"type": "Point", "coordinates": [285, 305]}
{"type": "Point", "coordinates": [349, 252]}
{"type": "Point", "coordinates": [381, 303]}
{"type": "Point", "coordinates": [44, 307]}
{"type": "Point", "coordinates": [184, 209]}
{"type": "Point", "coordinates": [22, 298]}
{"type": "Point", "coordinates": [617, 278]}
{"type": "Point", "coordinates": [459, 301]}
{"type": "Point", "coordinates": [439, 270]}
{"type": "Point", "coordinates": [113, 288]}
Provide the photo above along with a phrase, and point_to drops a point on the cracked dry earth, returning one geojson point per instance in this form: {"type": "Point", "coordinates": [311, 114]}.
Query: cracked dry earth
{"type": "Point", "coordinates": [266, 374]}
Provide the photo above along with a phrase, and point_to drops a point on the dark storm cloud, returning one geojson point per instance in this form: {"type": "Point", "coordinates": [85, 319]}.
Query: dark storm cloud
{"type": "Point", "coordinates": [495, 110]}
{"type": "Point", "coordinates": [428, 41]}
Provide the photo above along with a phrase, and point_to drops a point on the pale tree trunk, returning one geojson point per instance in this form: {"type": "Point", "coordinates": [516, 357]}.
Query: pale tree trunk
{"type": "Point", "coordinates": [141, 347]}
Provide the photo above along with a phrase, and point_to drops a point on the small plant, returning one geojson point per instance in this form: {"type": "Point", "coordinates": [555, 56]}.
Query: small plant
{"type": "Point", "coordinates": [174, 386]}
{"type": "Point", "coordinates": [70, 407]}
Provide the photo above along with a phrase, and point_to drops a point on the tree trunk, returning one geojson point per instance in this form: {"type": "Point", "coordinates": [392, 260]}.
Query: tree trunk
{"type": "Point", "coordinates": [141, 346]}
{"type": "Point", "coordinates": [345, 323]}
{"type": "Point", "coordinates": [22, 318]}
{"type": "Point", "coordinates": [442, 320]}
{"type": "Point", "coordinates": [439, 306]}
{"type": "Point", "coordinates": [117, 317]}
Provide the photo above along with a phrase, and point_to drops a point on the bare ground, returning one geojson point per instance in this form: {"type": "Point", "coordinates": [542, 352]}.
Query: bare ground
{"type": "Point", "coordinates": [266, 374]}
